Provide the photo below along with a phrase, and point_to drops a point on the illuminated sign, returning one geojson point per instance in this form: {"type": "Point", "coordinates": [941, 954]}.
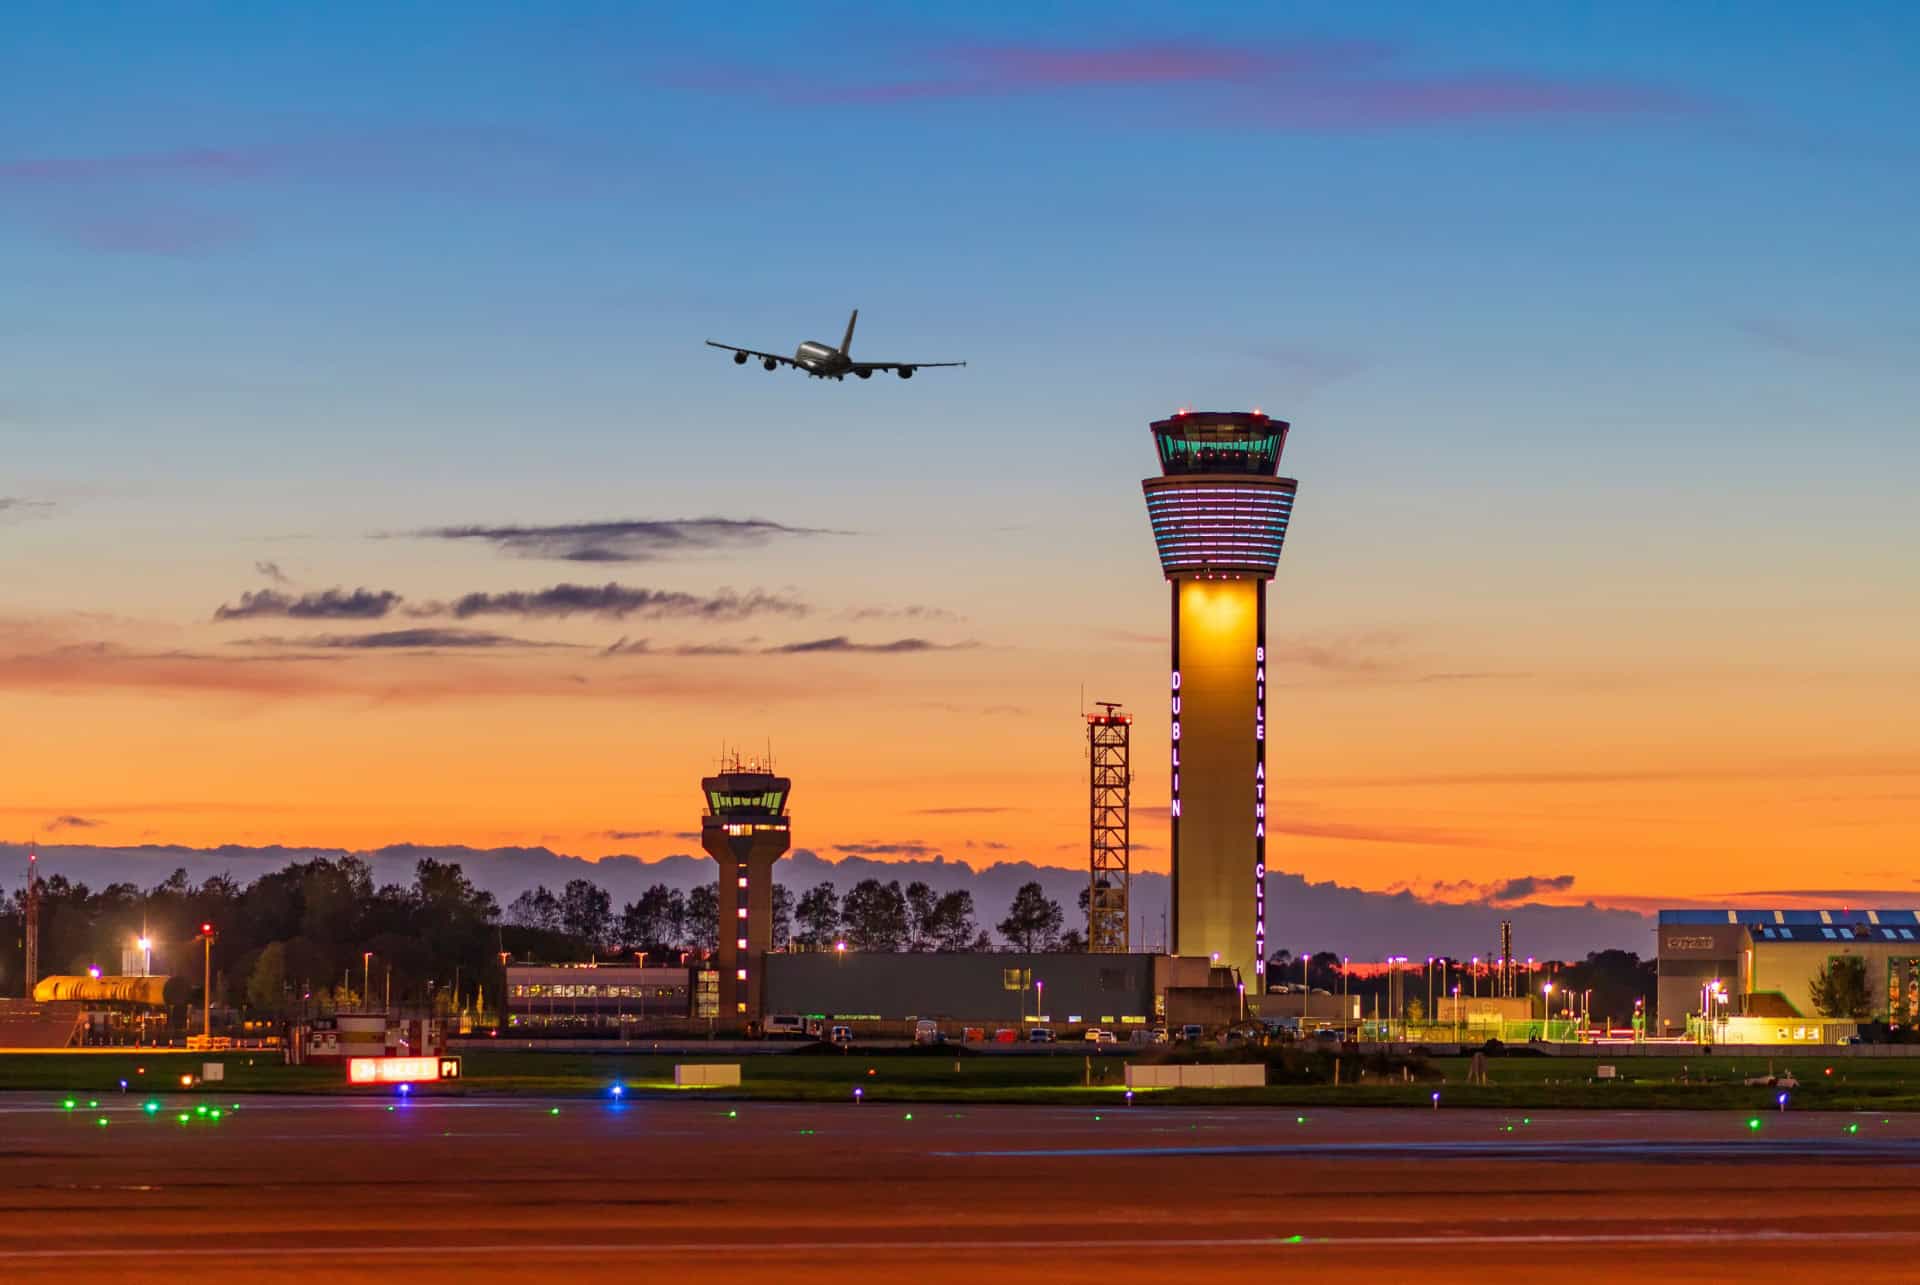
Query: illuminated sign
{"type": "Point", "coordinates": [401, 1070]}
{"type": "Point", "coordinates": [1175, 807]}
{"type": "Point", "coordinates": [1260, 800]}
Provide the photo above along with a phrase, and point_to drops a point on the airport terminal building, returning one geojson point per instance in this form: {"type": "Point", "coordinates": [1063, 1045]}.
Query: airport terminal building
{"type": "Point", "coordinates": [1765, 962]}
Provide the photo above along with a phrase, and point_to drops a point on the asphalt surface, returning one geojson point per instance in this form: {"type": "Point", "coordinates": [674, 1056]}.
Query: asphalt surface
{"type": "Point", "coordinates": [498, 1189]}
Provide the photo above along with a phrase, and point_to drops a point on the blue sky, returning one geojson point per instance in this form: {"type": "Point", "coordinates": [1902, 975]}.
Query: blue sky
{"type": "Point", "coordinates": [1596, 324]}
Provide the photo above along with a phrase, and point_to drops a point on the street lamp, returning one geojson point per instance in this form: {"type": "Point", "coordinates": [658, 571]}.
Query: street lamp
{"type": "Point", "coordinates": [1456, 1013]}
{"type": "Point", "coordinates": [366, 978]}
{"type": "Point", "coordinates": [146, 955]}
{"type": "Point", "coordinates": [1476, 977]}
{"type": "Point", "coordinates": [1546, 1008]}
{"type": "Point", "coordinates": [1346, 1005]}
{"type": "Point", "coordinates": [1040, 1001]}
{"type": "Point", "coordinates": [206, 990]}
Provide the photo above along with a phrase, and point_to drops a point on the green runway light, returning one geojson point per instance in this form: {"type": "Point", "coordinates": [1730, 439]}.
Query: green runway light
{"type": "Point", "coordinates": [909, 1115]}
{"type": "Point", "coordinates": [101, 1121]}
{"type": "Point", "coordinates": [184, 1117]}
{"type": "Point", "coordinates": [1853, 1128]}
{"type": "Point", "coordinates": [555, 1111]}
{"type": "Point", "coordinates": [733, 1115]}
{"type": "Point", "coordinates": [1299, 1119]}
{"type": "Point", "coordinates": [67, 1105]}
{"type": "Point", "coordinates": [214, 1114]}
{"type": "Point", "coordinates": [1753, 1122]}
{"type": "Point", "coordinates": [200, 1110]}
{"type": "Point", "coordinates": [93, 1103]}
{"type": "Point", "coordinates": [389, 1108]}
{"type": "Point", "coordinates": [151, 1108]}
{"type": "Point", "coordinates": [1295, 1239]}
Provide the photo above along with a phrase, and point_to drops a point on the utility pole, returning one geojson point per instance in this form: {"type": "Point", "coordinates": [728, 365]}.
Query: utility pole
{"type": "Point", "coordinates": [206, 990]}
{"type": "Point", "coordinates": [33, 920]}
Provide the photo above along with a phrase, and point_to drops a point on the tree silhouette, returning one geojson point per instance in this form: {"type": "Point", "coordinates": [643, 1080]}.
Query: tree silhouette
{"type": "Point", "coordinates": [1033, 919]}
{"type": "Point", "coordinates": [875, 915]}
{"type": "Point", "coordinates": [1840, 989]}
{"type": "Point", "coordinates": [819, 914]}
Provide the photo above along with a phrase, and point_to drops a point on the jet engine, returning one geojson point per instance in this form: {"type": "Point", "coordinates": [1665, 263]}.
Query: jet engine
{"type": "Point", "coordinates": [769, 363]}
{"type": "Point", "coordinates": [906, 372]}
{"type": "Point", "coordinates": [739, 359]}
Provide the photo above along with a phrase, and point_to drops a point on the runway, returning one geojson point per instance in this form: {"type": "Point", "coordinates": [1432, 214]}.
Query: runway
{"type": "Point", "coordinates": [498, 1188]}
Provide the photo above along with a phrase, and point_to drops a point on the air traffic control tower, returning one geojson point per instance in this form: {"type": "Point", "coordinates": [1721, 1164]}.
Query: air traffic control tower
{"type": "Point", "coordinates": [1219, 513]}
{"type": "Point", "coordinates": [745, 829]}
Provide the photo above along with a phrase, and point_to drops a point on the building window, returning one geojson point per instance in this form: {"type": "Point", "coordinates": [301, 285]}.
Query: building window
{"type": "Point", "coordinates": [740, 943]}
{"type": "Point", "coordinates": [743, 915]}
{"type": "Point", "coordinates": [740, 975]}
{"type": "Point", "coordinates": [1013, 979]}
{"type": "Point", "coordinates": [743, 881]}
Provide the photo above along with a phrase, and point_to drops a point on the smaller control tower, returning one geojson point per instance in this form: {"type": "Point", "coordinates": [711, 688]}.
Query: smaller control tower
{"type": "Point", "coordinates": [745, 830]}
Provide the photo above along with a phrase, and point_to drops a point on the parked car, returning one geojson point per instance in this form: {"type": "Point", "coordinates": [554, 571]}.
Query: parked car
{"type": "Point", "coordinates": [1040, 1035]}
{"type": "Point", "coordinates": [1006, 1035]}
{"type": "Point", "coordinates": [841, 1035]}
{"type": "Point", "coordinates": [1192, 1033]}
{"type": "Point", "coordinates": [1099, 1035]}
{"type": "Point", "coordinates": [1148, 1035]}
{"type": "Point", "coordinates": [927, 1031]}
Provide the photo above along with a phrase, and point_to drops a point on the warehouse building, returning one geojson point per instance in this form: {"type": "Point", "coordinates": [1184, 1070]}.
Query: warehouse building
{"type": "Point", "coordinates": [1756, 968]}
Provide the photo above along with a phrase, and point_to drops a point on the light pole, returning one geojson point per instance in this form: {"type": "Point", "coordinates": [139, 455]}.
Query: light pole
{"type": "Point", "coordinates": [1546, 1009]}
{"type": "Point", "coordinates": [146, 956]}
{"type": "Point", "coordinates": [1429, 1013]}
{"type": "Point", "coordinates": [206, 989]}
{"type": "Point", "coordinates": [1346, 1005]}
{"type": "Point", "coordinates": [1476, 977]}
{"type": "Point", "coordinates": [1040, 1001]}
{"type": "Point", "coordinates": [366, 979]}
{"type": "Point", "coordinates": [1456, 1014]}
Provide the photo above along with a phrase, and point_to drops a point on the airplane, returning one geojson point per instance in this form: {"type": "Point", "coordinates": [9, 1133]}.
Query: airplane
{"type": "Point", "coordinates": [822, 361]}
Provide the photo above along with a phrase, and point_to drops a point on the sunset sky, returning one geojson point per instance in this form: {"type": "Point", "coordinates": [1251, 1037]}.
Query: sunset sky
{"type": "Point", "coordinates": [349, 353]}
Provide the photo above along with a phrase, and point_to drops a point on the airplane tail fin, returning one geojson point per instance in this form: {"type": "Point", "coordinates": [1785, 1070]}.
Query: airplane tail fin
{"type": "Point", "coordinates": [846, 345]}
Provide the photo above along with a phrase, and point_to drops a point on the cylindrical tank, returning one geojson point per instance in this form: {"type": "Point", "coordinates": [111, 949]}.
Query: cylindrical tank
{"type": "Point", "coordinates": [155, 992]}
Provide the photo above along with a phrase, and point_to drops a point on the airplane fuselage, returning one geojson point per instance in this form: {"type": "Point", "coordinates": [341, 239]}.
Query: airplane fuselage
{"type": "Point", "coordinates": [821, 359]}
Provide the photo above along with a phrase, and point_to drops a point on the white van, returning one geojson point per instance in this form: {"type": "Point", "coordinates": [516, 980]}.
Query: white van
{"type": "Point", "coordinates": [786, 1024]}
{"type": "Point", "coordinates": [927, 1031]}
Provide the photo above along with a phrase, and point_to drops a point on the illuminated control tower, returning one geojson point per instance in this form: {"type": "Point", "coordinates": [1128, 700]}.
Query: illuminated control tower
{"type": "Point", "coordinates": [745, 830]}
{"type": "Point", "coordinates": [1219, 516]}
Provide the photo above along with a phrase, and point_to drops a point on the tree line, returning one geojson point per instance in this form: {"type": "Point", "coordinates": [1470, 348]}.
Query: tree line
{"type": "Point", "coordinates": [319, 935]}
{"type": "Point", "coordinates": [873, 916]}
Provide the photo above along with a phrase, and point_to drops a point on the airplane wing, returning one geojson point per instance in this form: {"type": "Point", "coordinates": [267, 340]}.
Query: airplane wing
{"type": "Point", "coordinates": [902, 365]}
{"type": "Point", "coordinates": [752, 352]}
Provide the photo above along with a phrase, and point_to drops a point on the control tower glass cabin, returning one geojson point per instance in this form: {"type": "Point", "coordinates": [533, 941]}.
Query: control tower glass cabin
{"type": "Point", "coordinates": [1219, 514]}
{"type": "Point", "coordinates": [745, 830]}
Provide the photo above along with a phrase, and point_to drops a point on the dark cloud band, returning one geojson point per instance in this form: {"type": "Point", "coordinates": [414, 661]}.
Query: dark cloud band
{"type": "Point", "coordinates": [633, 540]}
